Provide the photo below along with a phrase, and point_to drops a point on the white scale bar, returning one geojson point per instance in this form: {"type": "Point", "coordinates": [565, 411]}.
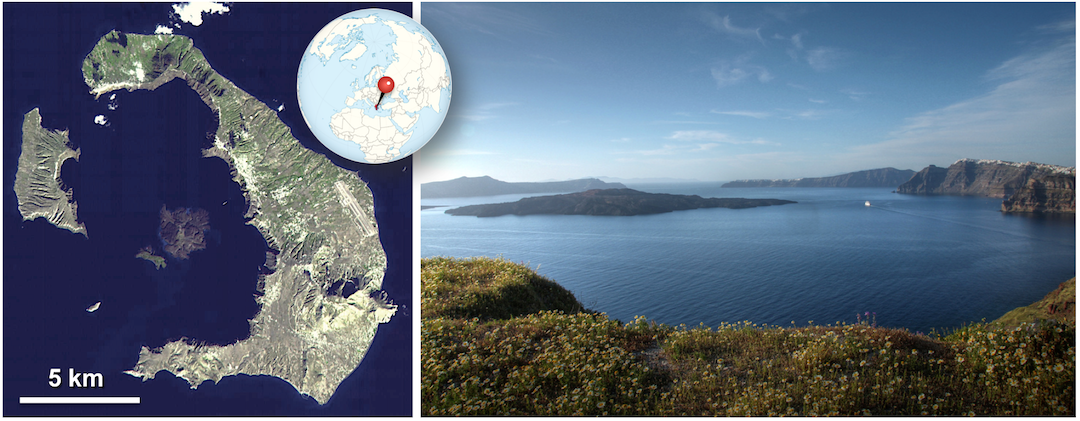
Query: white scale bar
{"type": "Point", "coordinates": [79, 400]}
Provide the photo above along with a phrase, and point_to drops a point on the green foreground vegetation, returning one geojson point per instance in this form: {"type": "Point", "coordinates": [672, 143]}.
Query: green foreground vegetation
{"type": "Point", "coordinates": [498, 339]}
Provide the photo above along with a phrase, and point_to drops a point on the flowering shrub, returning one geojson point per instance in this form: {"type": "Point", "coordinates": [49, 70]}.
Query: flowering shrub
{"type": "Point", "coordinates": [565, 362]}
{"type": "Point", "coordinates": [544, 363]}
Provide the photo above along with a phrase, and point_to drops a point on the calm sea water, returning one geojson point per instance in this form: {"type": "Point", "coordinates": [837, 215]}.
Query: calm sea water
{"type": "Point", "coordinates": [148, 157]}
{"type": "Point", "coordinates": [918, 262]}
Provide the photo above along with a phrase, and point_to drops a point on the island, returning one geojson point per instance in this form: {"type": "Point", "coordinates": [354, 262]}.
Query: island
{"type": "Point", "coordinates": [317, 218]}
{"type": "Point", "coordinates": [609, 202]}
{"type": "Point", "coordinates": [147, 254]}
{"type": "Point", "coordinates": [487, 186]}
{"type": "Point", "coordinates": [882, 177]}
{"type": "Point", "coordinates": [183, 230]}
{"type": "Point", "coordinates": [38, 187]}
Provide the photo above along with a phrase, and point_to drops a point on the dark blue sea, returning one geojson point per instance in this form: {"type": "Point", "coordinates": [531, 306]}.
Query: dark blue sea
{"type": "Point", "coordinates": [918, 262]}
{"type": "Point", "coordinates": [146, 157]}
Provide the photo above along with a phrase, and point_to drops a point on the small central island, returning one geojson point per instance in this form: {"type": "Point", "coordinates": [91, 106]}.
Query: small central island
{"type": "Point", "coordinates": [609, 202]}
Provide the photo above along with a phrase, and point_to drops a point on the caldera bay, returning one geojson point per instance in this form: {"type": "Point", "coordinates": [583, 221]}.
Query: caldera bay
{"type": "Point", "coordinates": [924, 263]}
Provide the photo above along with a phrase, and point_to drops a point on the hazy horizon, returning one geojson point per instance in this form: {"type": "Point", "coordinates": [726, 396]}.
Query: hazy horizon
{"type": "Point", "coordinates": [720, 92]}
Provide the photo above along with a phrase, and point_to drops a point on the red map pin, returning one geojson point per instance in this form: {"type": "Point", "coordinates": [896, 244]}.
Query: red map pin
{"type": "Point", "coordinates": [385, 86]}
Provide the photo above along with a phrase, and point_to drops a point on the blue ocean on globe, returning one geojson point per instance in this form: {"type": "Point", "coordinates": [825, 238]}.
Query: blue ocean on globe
{"type": "Point", "coordinates": [149, 155]}
{"type": "Point", "coordinates": [919, 262]}
{"type": "Point", "coordinates": [338, 96]}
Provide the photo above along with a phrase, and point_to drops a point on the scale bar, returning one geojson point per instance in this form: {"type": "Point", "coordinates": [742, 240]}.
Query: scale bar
{"type": "Point", "coordinates": [54, 400]}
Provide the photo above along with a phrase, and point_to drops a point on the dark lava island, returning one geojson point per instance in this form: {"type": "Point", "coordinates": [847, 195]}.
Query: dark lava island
{"type": "Point", "coordinates": [610, 202]}
{"type": "Point", "coordinates": [183, 230]}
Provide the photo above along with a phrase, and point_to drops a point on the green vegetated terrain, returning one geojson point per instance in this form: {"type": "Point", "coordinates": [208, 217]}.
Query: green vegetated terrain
{"type": "Point", "coordinates": [318, 220]}
{"type": "Point", "coordinates": [498, 339]}
{"type": "Point", "coordinates": [148, 254]}
{"type": "Point", "coordinates": [1059, 304]}
{"type": "Point", "coordinates": [38, 187]}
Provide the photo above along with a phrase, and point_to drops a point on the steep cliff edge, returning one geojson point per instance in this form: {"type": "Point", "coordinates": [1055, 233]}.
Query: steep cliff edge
{"type": "Point", "coordinates": [972, 177]}
{"type": "Point", "coordinates": [1059, 304]}
{"type": "Point", "coordinates": [1050, 194]}
{"type": "Point", "coordinates": [925, 181]}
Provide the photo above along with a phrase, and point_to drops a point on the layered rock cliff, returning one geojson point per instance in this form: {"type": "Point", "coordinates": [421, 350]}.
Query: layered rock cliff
{"type": "Point", "coordinates": [970, 177]}
{"type": "Point", "coordinates": [1050, 194]}
{"type": "Point", "coordinates": [882, 177]}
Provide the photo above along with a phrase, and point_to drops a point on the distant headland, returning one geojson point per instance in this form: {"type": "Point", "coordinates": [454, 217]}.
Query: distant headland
{"type": "Point", "coordinates": [609, 202]}
{"type": "Point", "coordinates": [882, 177]}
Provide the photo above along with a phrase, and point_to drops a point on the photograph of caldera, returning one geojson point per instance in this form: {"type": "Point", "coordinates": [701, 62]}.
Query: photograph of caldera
{"type": "Point", "coordinates": [756, 209]}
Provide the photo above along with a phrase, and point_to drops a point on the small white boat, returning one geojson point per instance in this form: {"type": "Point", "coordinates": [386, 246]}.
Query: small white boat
{"type": "Point", "coordinates": [94, 307]}
{"type": "Point", "coordinates": [867, 203]}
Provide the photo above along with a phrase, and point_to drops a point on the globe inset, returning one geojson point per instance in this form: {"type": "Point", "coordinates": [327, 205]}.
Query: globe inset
{"type": "Point", "coordinates": [339, 94]}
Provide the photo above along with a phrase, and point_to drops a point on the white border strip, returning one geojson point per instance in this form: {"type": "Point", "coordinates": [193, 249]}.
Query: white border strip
{"type": "Point", "coordinates": [416, 163]}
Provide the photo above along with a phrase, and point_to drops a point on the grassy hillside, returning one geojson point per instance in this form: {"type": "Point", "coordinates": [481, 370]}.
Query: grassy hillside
{"type": "Point", "coordinates": [498, 339]}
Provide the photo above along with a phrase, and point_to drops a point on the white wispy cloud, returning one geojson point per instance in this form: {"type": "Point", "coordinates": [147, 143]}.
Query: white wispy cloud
{"type": "Point", "coordinates": [818, 101]}
{"type": "Point", "coordinates": [712, 136]}
{"type": "Point", "coordinates": [684, 122]}
{"type": "Point", "coordinates": [621, 140]}
{"type": "Point", "coordinates": [1065, 26]}
{"type": "Point", "coordinates": [730, 73]}
{"type": "Point", "coordinates": [544, 58]}
{"type": "Point", "coordinates": [486, 18]}
{"type": "Point", "coordinates": [754, 114]}
{"type": "Point", "coordinates": [855, 95]}
{"type": "Point", "coordinates": [724, 25]}
{"type": "Point", "coordinates": [687, 142]}
{"type": "Point", "coordinates": [796, 44]}
{"type": "Point", "coordinates": [1028, 115]}
{"type": "Point", "coordinates": [484, 112]}
{"type": "Point", "coordinates": [796, 40]}
{"type": "Point", "coordinates": [825, 58]}
{"type": "Point", "coordinates": [463, 152]}
{"type": "Point", "coordinates": [663, 150]}
{"type": "Point", "coordinates": [786, 11]}
{"type": "Point", "coordinates": [709, 135]}
{"type": "Point", "coordinates": [810, 114]}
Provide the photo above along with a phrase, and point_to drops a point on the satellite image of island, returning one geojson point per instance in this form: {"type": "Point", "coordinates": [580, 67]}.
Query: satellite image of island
{"type": "Point", "coordinates": [174, 234]}
{"type": "Point", "coordinates": [183, 230]}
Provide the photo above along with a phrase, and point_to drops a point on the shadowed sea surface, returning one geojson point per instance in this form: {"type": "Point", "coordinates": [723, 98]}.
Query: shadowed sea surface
{"type": "Point", "coordinates": [919, 262]}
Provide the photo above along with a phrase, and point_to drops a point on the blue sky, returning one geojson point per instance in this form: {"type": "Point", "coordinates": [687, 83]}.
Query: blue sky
{"type": "Point", "coordinates": [717, 92]}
